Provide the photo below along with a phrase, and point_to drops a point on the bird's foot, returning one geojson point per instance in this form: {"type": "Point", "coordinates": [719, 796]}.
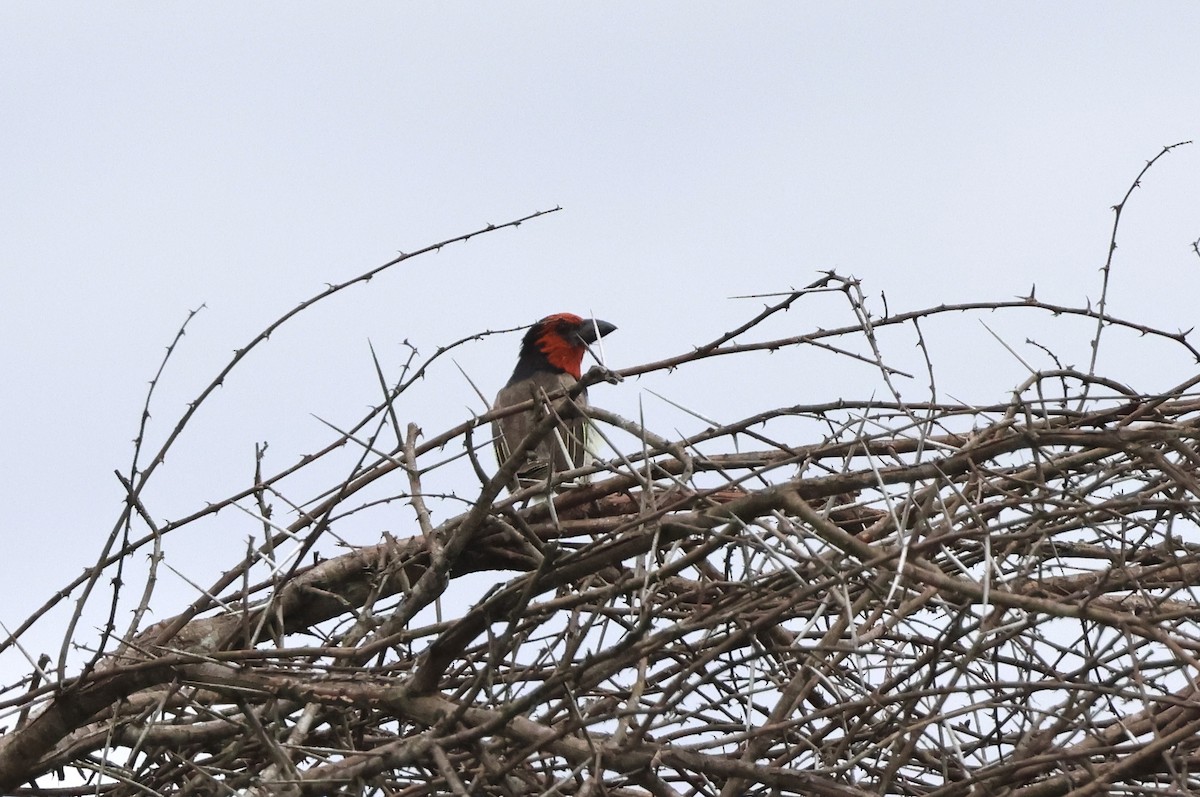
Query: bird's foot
{"type": "Point", "coordinates": [598, 373]}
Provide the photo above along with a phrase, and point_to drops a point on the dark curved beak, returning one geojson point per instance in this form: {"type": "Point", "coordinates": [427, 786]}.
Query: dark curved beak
{"type": "Point", "coordinates": [592, 330]}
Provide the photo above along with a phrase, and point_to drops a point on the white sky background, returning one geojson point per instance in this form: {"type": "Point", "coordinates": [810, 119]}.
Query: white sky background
{"type": "Point", "coordinates": [155, 157]}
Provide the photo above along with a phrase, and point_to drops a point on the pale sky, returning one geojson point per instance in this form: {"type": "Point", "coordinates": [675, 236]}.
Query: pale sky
{"type": "Point", "coordinates": [157, 157]}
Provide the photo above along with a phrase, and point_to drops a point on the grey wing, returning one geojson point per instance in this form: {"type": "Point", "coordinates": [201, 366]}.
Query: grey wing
{"type": "Point", "coordinates": [575, 437]}
{"type": "Point", "coordinates": [508, 432]}
{"type": "Point", "coordinates": [563, 449]}
{"type": "Point", "coordinates": [566, 445]}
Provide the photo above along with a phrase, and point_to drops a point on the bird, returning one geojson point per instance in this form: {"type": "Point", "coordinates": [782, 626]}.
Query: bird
{"type": "Point", "coordinates": [550, 360]}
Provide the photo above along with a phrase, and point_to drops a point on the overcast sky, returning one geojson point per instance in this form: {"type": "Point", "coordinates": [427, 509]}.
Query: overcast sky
{"type": "Point", "coordinates": [157, 157]}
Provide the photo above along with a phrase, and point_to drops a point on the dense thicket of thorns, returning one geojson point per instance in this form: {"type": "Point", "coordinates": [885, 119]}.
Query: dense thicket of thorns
{"type": "Point", "coordinates": [927, 599]}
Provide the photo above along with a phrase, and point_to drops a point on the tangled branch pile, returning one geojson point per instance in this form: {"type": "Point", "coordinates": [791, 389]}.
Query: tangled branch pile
{"type": "Point", "coordinates": [926, 599]}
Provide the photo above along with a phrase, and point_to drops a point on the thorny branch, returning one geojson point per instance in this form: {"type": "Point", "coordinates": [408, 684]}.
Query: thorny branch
{"type": "Point", "coordinates": [904, 597]}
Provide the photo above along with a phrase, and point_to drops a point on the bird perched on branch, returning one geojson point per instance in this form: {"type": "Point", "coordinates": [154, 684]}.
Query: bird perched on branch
{"type": "Point", "coordinates": [550, 359]}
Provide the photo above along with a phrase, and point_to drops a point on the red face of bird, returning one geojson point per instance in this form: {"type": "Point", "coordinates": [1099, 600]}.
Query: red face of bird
{"type": "Point", "coordinates": [563, 339]}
